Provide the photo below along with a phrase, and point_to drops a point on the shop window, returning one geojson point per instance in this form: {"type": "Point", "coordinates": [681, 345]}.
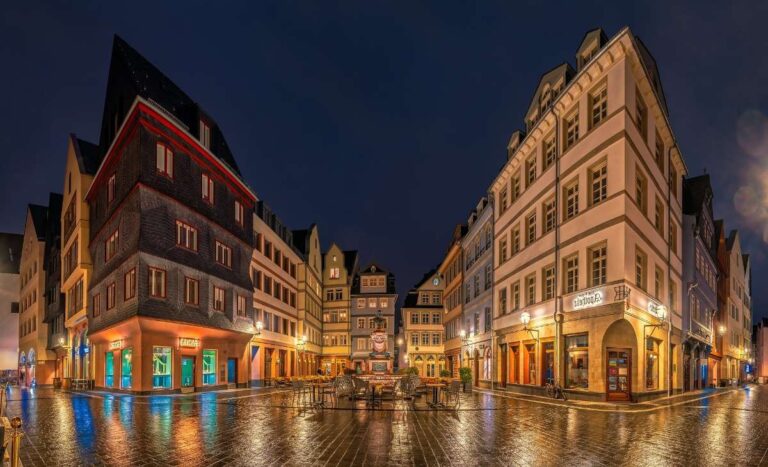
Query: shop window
{"type": "Point", "coordinates": [530, 364]}
{"type": "Point", "coordinates": [547, 362]}
{"type": "Point", "coordinates": [109, 369]}
{"type": "Point", "coordinates": [577, 361]}
{"type": "Point", "coordinates": [126, 369]}
{"type": "Point", "coordinates": [209, 367]}
{"type": "Point", "coordinates": [161, 367]}
{"type": "Point", "coordinates": [651, 364]}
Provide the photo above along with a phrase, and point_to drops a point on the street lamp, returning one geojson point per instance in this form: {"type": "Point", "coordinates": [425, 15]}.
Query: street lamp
{"type": "Point", "coordinates": [525, 318]}
{"type": "Point", "coordinates": [259, 327]}
{"type": "Point", "coordinates": [300, 345]}
{"type": "Point", "coordinates": [721, 330]}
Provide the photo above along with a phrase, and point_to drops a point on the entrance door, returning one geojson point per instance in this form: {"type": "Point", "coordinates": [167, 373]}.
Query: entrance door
{"type": "Point", "coordinates": [109, 369]}
{"type": "Point", "coordinates": [514, 355]}
{"type": "Point", "coordinates": [503, 366]}
{"type": "Point", "coordinates": [232, 370]}
{"type": "Point", "coordinates": [686, 372]}
{"type": "Point", "coordinates": [187, 372]}
{"type": "Point", "coordinates": [619, 375]}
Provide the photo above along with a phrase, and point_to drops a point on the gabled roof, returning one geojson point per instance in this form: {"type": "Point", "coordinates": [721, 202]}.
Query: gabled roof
{"type": "Point", "coordinates": [412, 301]}
{"type": "Point", "coordinates": [53, 229]}
{"type": "Point", "coordinates": [131, 75]}
{"type": "Point", "coordinates": [39, 219]}
{"type": "Point", "coordinates": [301, 240]}
{"type": "Point", "coordinates": [88, 155]}
{"type": "Point", "coordinates": [427, 276]}
{"type": "Point", "coordinates": [653, 72]}
{"type": "Point", "coordinates": [10, 252]}
{"type": "Point", "coordinates": [350, 261]}
{"type": "Point", "coordinates": [374, 268]}
{"type": "Point", "coordinates": [697, 193]}
{"type": "Point", "coordinates": [590, 36]}
{"type": "Point", "coordinates": [563, 71]}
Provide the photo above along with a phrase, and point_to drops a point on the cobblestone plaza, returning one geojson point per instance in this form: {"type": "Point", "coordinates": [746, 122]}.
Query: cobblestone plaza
{"type": "Point", "coordinates": [265, 427]}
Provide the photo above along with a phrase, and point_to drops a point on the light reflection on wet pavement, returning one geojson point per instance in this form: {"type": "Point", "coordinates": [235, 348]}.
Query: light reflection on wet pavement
{"type": "Point", "coordinates": [267, 427]}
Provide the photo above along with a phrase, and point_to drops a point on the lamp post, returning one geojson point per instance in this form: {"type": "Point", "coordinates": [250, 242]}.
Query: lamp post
{"type": "Point", "coordinates": [525, 318]}
{"type": "Point", "coordinates": [301, 344]}
{"type": "Point", "coordinates": [259, 327]}
{"type": "Point", "coordinates": [464, 341]}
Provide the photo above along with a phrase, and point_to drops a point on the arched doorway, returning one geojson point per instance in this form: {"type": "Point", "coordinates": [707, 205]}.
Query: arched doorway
{"type": "Point", "coordinates": [23, 368]}
{"type": "Point", "coordinates": [620, 352]}
{"type": "Point", "coordinates": [31, 363]}
{"type": "Point", "coordinates": [476, 368]}
{"type": "Point", "coordinates": [487, 364]}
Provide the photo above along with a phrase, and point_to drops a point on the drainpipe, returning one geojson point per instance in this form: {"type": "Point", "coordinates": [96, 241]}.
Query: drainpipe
{"type": "Point", "coordinates": [558, 296]}
{"type": "Point", "coordinates": [669, 269]}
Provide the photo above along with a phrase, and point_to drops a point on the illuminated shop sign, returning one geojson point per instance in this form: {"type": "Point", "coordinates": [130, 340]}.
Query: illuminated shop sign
{"type": "Point", "coordinates": [188, 342]}
{"type": "Point", "coordinates": [114, 345]}
{"type": "Point", "coordinates": [657, 309]}
{"type": "Point", "coordinates": [588, 299]}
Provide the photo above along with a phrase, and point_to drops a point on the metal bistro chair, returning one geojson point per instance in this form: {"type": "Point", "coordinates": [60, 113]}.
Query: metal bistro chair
{"type": "Point", "coordinates": [452, 394]}
{"type": "Point", "coordinates": [361, 388]}
{"type": "Point", "coordinates": [298, 391]}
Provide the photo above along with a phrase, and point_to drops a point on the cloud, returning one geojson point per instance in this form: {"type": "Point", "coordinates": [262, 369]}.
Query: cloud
{"type": "Point", "coordinates": [751, 197]}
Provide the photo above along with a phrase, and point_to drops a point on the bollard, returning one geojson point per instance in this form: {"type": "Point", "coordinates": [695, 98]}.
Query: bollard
{"type": "Point", "coordinates": [15, 441]}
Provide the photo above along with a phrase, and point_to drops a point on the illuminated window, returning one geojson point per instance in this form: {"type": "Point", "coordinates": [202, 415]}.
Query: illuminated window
{"type": "Point", "coordinates": [335, 273]}
{"type": "Point", "coordinates": [164, 160]}
{"type": "Point", "coordinates": [223, 254]}
{"type": "Point", "coordinates": [191, 291]}
{"type": "Point", "coordinates": [161, 367]}
{"type": "Point", "coordinates": [111, 188]}
{"type": "Point", "coordinates": [219, 299]}
{"type": "Point", "coordinates": [110, 246]}
{"type": "Point", "coordinates": [208, 188]}
{"type": "Point", "coordinates": [186, 236]}
{"type": "Point", "coordinates": [239, 213]}
{"type": "Point", "coordinates": [130, 284]}
{"type": "Point", "coordinates": [156, 282]}
{"type": "Point", "coordinates": [205, 135]}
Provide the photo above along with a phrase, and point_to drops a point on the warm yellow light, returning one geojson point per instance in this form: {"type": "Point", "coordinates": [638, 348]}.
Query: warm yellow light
{"type": "Point", "coordinates": [525, 318]}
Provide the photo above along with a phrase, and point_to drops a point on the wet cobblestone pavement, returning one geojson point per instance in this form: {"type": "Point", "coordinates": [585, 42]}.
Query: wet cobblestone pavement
{"type": "Point", "coordinates": [266, 427]}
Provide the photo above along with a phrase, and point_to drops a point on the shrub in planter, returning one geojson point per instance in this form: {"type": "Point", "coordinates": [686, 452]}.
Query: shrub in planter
{"type": "Point", "coordinates": [445, 373]}
{"type": "Point", "coordinates": [465, 375]}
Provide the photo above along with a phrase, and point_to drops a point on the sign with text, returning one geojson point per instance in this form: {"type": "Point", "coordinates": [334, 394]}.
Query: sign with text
{"type": "Point", "coordinates": [189, 342]}
{"type": "Point", "coordinates": [588, 299]}
{"type": "Point", "coordinates": [115, 345]}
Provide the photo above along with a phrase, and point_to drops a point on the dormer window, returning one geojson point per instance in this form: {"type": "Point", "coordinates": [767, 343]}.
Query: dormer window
{"type": "Point", "coordinates": [205, 134]}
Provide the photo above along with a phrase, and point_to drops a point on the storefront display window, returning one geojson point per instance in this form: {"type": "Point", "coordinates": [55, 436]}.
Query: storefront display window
{"type": "Point", "coordinates": [577, 362]}
{"type": "Point", "coordinates": [109, 369]}
{"type": "Point", "coordinates": [161, 367]}
{"type": "Point", "coordinates": [209, 367]}
{"type": "Point", "coordinates": [548, 362]}
{"type": "Point", "coordinates": [530, 371]}
{"type": "Point", "coordinates": [126, 369]}
{"type": "Point", "coordinates": [651, 363]}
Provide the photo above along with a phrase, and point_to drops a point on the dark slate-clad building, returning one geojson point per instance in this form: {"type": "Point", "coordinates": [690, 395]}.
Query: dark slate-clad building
{"type": "Point", "coordinates": [171, 238]}
{"type": "Point", "coordinates": [54, 299]}
{"type": "Point", "coordinates": [700, 274]}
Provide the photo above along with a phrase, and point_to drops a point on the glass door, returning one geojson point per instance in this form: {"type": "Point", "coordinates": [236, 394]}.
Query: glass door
{"type": "Point", "coordinates": [619, 371]}
{"type": "Point", "coordinates": [232, 370]}
{"type": "Point", "coordinates": [187, 372]}
{"type": "Point", "coordinates": [109, 369]}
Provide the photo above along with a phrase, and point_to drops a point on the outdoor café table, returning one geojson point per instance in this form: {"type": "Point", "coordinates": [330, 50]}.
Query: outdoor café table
{"type": "Point", "coordinates": [374, 389]}
{"type": "Point", "coordinates": [318, 386]}
{"type": "Point", "coordinates": [435, 394]}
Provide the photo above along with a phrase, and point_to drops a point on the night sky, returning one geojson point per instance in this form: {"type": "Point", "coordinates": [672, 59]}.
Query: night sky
{"type": "Point", "coordinates": [384, 123]}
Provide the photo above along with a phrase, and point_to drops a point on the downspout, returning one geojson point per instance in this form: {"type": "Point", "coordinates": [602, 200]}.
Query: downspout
{"type": "Point", "coordinates": [558, 296]}
{"type": "Point", "coordinates": [669, 270]}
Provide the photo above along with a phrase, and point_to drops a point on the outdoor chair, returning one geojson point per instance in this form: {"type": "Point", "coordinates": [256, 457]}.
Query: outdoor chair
{"type": "Point", "coordinates": [361, 388]}
{"type": "Point", "coordinates": [452, 394]}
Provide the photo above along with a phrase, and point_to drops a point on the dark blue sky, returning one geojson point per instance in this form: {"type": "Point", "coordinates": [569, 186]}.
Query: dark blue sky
{"type": "Point", "coordinates": [382, 122]}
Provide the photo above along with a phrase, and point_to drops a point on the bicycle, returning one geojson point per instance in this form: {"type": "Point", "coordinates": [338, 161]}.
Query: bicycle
{"type": "Point", "coordinates": [555, 391]}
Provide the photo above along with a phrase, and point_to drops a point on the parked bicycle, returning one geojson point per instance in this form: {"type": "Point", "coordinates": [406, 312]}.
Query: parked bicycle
{"type": "Point", "coordinates": [555, 391]}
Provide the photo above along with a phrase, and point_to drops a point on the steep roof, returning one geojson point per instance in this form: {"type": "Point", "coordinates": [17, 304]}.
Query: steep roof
{"type": "Point", "coordinates": [88, 155]}
{"type": "Point", "coordinates": [53, 229]}
{"type": "Point", "coordinates": [300, 240]}
{"type": "Point", "coordinates": [563, 71]}
{"type": "Point", "coordinates": [131, 75]}
{"type": "Point", "coordinates": [653, 72]}
{"type": "Point", "coordinates": [350, 261]}
{"type": "Point", "coordinates": [374, 268]}
{"type": "Point", "coordinates": [39, 219]}
{"type": "Point", "coordinates": [10, 252]}
{"type": "Point", "coordinates": [697, 191]}
{"type": "Point", "coordinates": [427, 276]}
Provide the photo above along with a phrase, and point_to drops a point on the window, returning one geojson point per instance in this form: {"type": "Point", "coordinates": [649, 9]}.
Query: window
{"type": "Point", "coordinates": [164, 160]}
{"type": "Point", "coordinates": [503, 250]}
{"type": "Point", "coordinates": [598, 183]}
{"type": "Point", "coordinates": [549, 153]}
{"type": "Point", "coordinates": [515, 187]}
{"type": "Point", "coordinates": [111, 189]}
{"type": "Point", "coordinates": [335, 273]}
{"type": "Point", "coordinates": [425, 339]}
{"type": "Point", "coordinates": [415, 339]}
{"type": "Point", "coordinates": [516, 240]}
{"type": "Point", "coordinates": [436, 318]}
{"type": "Point", "coordinates": [503, 201]}
{"type": "Point", "coordinates": [371, 303]}
{"type": "Point", "coordinates": [361, 303]}
{"type": "Point", "coordinates": [503, 301]}
{"type": "Point", "coordinates": [571, 129]}
{"type": "Point", "coordinates": [186, 236]}
{"type": "Point", "coordinates": [487, 319]}
{"type": "Point", "coordinates": [659, 217]}
{"type": "Point", "coordinates": [549, 282]}
{"type": "Point", "coordinates": [530, 170]}
{"type": "Point", "coordinates": [241, 305]}
{"type": "Point", "coordinates": [530, 290]}
{"type": "Point", "coordinates": [599, 105]}
{"type": "Point", "coordinates": [161, 367]}
{"type": "Point", "coordinates": [476, 282]}
{"type": "Point", "coordinates": [641, 191]}
{"type": "Point", "coordinates": [223, 255]}
{"type": "Point", "coordinates": [658, 155]}
{"type": "Point", "coordinates": [549, 215]}
{"type": "Point", "coordinates": [598, 264]}
{"type": "Point", "coordinates": [110, 245]}
{"type": "Point", "coordinates": [209, 367]}
{"type": "Point", "coordinates": [126, 368]}
{"type": "Point", "coordinates": [219, 299]}
{"type": "Point", "coordinates": [673, 180]}
{"type": "Point", "coordinates": [360, 323]}
{"type": "Point", "coordinates": [571, 271]}
{"type": "Point", "coordinates": [640, 263]}
{"type": "Point", "coordinates": [571, 199]}
{"type": "Point", "coordinates": [111, 296]}
{"type": "Point", "coordinates": [208, 189]}
{"type": "Point", "coordinates": [96, 305]}
{"type": "Point", "coordinates": [658, 281]}
{"type": "Point", "coordinates": [577, 361]}
{"type": "Point", "coordinates": [641, 115]}
{"type": "Point", "coordinates": [488, 282]}
{"type": "Point", "coordinates": [530, 228]}
{"type": "Point", "coordinates": [239, 213]}
{"type": "Point", "coordinates": [205, 135]}
{"type": "Point", "coordinates": [436, 339]}
{"type": "Point", "coordinates": [191, 291]}
{"type": "Point", "coordinates": [651, 363]}
{"type": "Point", "coordinates": [414, 318]}
{"type": "Point", "coordinates": [516, 295]}
{"type": "Point", "coordinates": [156, 282]}
{"type": "Point", "coordinates": [130, 284]}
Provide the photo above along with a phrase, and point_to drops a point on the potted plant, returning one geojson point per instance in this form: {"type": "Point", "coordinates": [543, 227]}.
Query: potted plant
{"type": "Point", "coordinates": [445, 375]}
{"type": "Point", "coordinates": [465, 375]}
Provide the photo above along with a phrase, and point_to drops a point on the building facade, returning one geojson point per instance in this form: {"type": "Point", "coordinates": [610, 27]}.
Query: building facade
{"type": "Point", "coordinates": [451, 272]}
{"type": "Point", "coordinates": [310, 301]}
{"type": "Point", "coordinates": [36, 364]}
{"type": "Point", "coordinates": [339, 270]}
{"type": "Point", "coordinates": [736, 312]}
{"type": "Point", "coordinates": [10, 258]}
{"type": "Point", "coordinates": [760, 344]}
{"type": "Point", "coordinates": [587, 222]}
{"type": "Point", "coordinates": [373, 320]}
{"type": "Point", "coordinates": [53, 296]}
{"type": "Point", "coordinates": [477, 248]}
{"type": "Point", "coordinates": [171, 241]}
{"type": "Point", "coordinates": [423, 332]}
{"type": "Point", "coordinates": [274, 273]}
{"type": "Point", "coordinates": [700, 364]}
